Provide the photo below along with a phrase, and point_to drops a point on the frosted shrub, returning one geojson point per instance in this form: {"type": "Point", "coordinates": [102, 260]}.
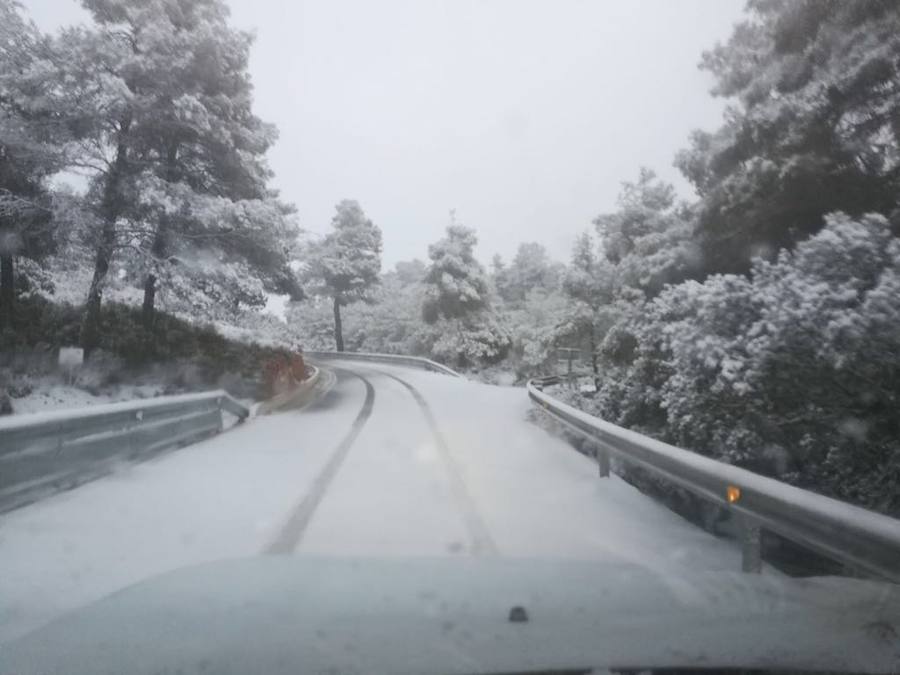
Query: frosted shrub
{"type": "Point", "coordinates": [792, 371]}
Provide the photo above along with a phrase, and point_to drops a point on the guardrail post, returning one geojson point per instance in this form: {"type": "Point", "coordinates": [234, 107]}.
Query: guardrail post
{"type": "Point", "coordinates": [602, 462]}
{"type": "Point", "coordinates": [130, 439]}
{"type": "Point", "coordinates": [751, 546]}
{"type": "Point", "coordinates": [221, 410]}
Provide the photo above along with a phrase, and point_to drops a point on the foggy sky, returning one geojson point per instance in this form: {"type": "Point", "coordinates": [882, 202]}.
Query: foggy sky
{"type": "Point", "coordinates": [524, 116]}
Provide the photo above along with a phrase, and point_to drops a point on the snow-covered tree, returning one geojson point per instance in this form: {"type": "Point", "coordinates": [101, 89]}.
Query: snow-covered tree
{"type": "Point", "coordinates": [531, 306]}
{"type": "Point", "coordinates": [456, 283]}
{"type": "Point", "coordinates": [530, 269]}
{"type": "Point", "coordinates": [409, 273]}
{"type": "Point", "coordinates": [812, 127]}
{"type": "Point", "coordinates": [498, 276]}
{"type": "Point", "coordinates": [221, 255]}
{"type": "Point", "coordinates": [30, 141]}
{"type": "Point", "coordinates": [345, 265]}
{"type": "Point", "coordinates": [390, 323]}
{"type": "Point", "coordinates": [589, 285]}
{"type": "Point", "coordinates": [207, 148]}
{"type": "Point", "coordinates": [649, 238]}
{"type": "Point", "coordinates": [158, 95]}
{"type": "Point", "coordinates": [643, 246]}
{"type": "Point", "coordinates": [536, 326]}
{"type": "Point", "coordinates": [642, 205]}
{"type": "Point", "coordinates": [457, 298]}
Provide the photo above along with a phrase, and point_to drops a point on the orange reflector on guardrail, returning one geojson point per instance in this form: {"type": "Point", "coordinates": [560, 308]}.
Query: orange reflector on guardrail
{"type": "Point", "coordinates": [733, 493]}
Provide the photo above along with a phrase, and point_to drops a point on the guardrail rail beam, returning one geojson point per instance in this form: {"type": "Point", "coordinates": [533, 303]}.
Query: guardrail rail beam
{"type": "Point", "coordinates": [851, 535]}
{"type": "Point", "coordinates": [46, 452]}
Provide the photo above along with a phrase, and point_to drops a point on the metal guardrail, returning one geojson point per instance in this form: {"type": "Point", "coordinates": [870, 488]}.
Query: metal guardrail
{"type": "Point", "coordinates": [861, 539]}
{"type": "Point", "coordinates": [47, 452]}
{"type": "Point", "coordinates": [409, 361]}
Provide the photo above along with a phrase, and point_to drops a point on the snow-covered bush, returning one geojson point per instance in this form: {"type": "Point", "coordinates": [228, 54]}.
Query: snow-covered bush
{"type": "Point", "coordinates": [466, 344]}
{"type": "Point", "coordinates": [534, 330]}
{"type": "Point", "coordinates": [792, 371]}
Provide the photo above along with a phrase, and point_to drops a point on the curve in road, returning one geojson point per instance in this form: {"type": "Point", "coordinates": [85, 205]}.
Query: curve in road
{"type": "Point", "coordinates": [292, 532]}
{"type": "Point", "coordinates": [481, 541]}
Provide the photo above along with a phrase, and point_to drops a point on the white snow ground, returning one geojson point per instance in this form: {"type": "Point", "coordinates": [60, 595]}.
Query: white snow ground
{"type": "Point", "coordinates": [393, 495]}
{"type": "Point", "coordinates": [54, 396]}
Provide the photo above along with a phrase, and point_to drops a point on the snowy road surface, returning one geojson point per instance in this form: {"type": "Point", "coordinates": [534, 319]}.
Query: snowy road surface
{"type": "Point", "coordinates": [390, 462]}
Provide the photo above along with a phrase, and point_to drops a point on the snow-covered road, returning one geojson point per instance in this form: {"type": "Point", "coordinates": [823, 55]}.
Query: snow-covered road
{"type": "Point", "coordinates": [390, 462]}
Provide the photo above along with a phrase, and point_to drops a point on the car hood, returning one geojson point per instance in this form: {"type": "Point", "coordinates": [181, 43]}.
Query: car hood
{"type": "Point", "coordinates": [293, 615]}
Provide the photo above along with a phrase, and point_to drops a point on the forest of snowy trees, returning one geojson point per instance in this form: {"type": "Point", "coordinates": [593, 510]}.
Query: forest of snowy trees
{"type": "Point", "coordinates": [758, 324]}
{"type": "Point", "coordinates": [153, 105]}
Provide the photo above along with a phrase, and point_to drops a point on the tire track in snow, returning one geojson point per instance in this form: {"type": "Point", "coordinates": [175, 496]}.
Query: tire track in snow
{"type": "Point", "coordinates": [481, 542]}
{"type": "Point", "coordinates": [292, 531]}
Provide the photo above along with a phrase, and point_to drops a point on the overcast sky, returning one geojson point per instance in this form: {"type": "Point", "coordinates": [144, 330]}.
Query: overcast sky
{"type": "Point", "coordinates": [523, 115]}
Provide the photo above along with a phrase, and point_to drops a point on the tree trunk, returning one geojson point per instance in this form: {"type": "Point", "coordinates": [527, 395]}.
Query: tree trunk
{"type": "Point", "coordinates": [594, 360]}
{"type": "Point", "coordinates": [338, 330]}
{"type": "Point", "coordinates": [90, 327]}
{"type": "Point", "coordinates": [462, 360]}
{"type": "Point", "coordinates": [111, 208]}
{"type": "Point", "coordinates": [7, 290]}
{"type": "Point", "coordinates": [158, 249]}
{"type": "Point", "coordinates": [148, 309]}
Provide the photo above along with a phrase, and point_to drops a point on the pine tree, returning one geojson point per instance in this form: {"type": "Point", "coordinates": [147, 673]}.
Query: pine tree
{"type": "Point", "coordinates": [456, 283]}
{"type": "Point", "coordinates": [345, 265]}
{"type": "Point", "coordinates": [589, 285]}
{"type": "Point", "coordinates": [220, 255]}
{"type": "Point", "coordinates": [649, 239]}
{"type": "Point", "coordinates": [813, 127]}
{"type": "Point", "coordinates": [457, 293]}
{"type": "Point", "coordinates": [160, 98]}
{"type": "Point", "coordinates": [208, 145]}
{"type": "Point", "coordinates": [29, 149]}
{"type": "Point", "coordinates": [530, 269]}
